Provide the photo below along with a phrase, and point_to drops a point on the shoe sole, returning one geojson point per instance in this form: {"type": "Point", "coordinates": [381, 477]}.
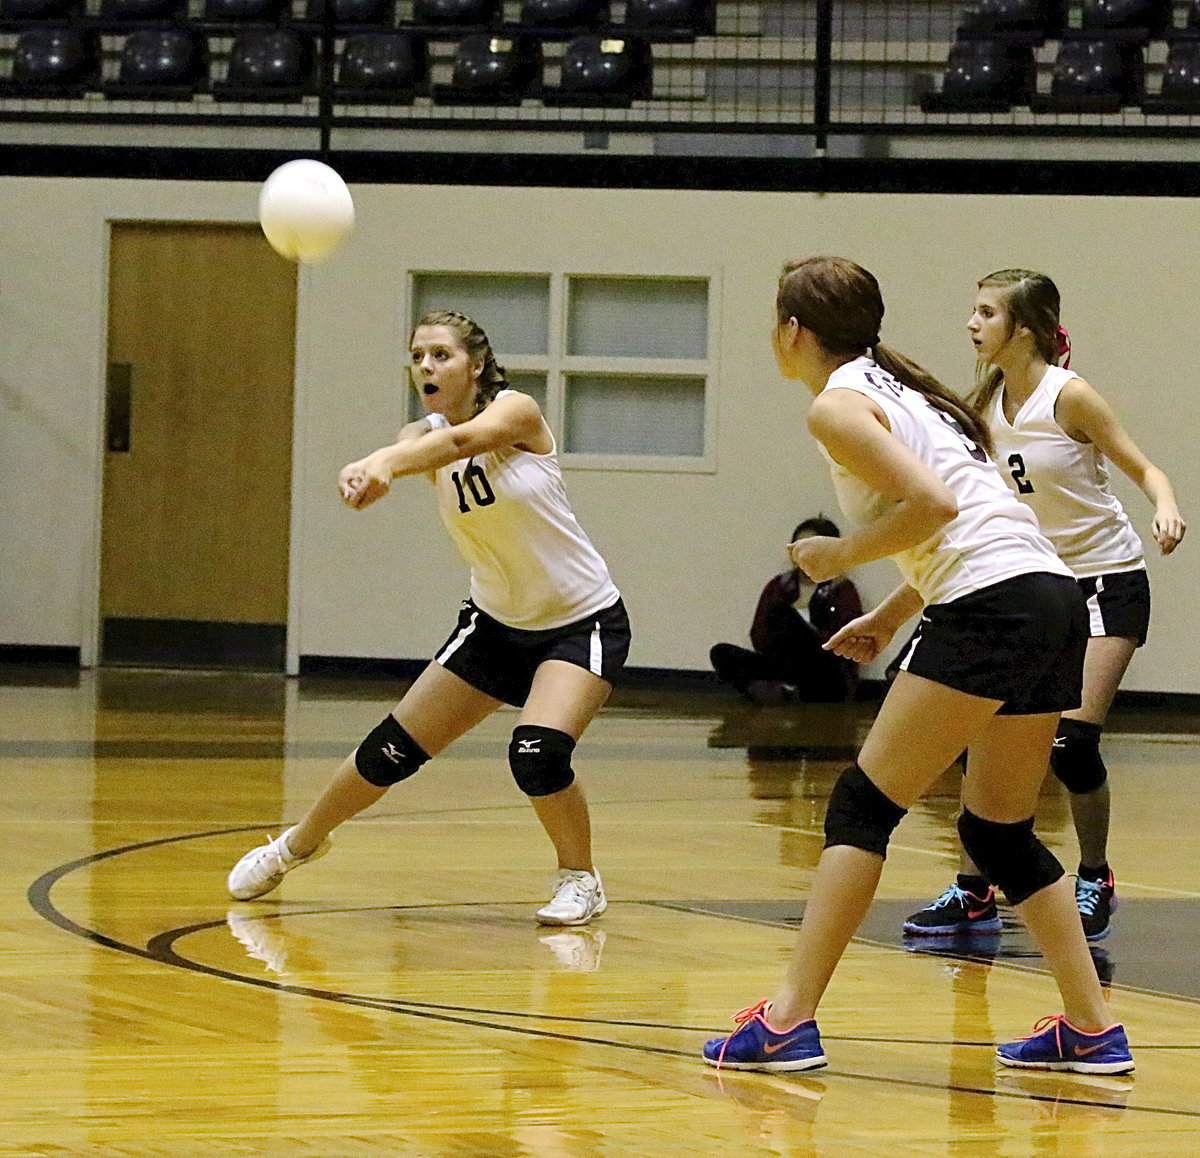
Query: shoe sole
{"type": "Point", "coordinates": [554, 923]}
{"type": "Point", "coordinates": [995, 926]}
{"type": "Point", "coordinates": [808, 1063]}
{"type": "Point", "coordinates": [1078, 1067]}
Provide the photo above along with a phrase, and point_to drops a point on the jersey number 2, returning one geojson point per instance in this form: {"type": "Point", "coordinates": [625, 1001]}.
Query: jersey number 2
{"type": "Point", "coordinates": [477, 484]}
{"type": "Point", "coordinates": [1024, 486]}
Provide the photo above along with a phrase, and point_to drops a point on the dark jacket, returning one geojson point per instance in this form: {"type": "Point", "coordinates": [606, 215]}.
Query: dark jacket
{"type": "Point", "coordinates": [833, 604]}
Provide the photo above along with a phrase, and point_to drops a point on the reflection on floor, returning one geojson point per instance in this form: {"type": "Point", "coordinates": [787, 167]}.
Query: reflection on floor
{"type": "Point", "coordinates": [1151, 947]}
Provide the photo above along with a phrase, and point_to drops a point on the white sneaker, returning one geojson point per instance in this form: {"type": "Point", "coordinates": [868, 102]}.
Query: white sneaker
{"type": "Point", "coordinates": [578, 897]}
{"type": "Point", "coordinates": [262, 868]}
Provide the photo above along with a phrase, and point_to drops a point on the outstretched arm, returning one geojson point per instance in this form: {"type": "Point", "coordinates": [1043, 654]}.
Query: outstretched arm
{"type": "Point", "coordinates": [513, 420]}
{"type": "Point", "coordinates": [1086, 417]}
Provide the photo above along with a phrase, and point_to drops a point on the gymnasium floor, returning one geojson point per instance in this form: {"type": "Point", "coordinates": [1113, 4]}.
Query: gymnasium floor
{"type": "Point", "coordinates": [397, 998]}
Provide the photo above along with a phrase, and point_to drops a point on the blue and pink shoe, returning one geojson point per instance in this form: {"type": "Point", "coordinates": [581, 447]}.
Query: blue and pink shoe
{"type": "Point", "coordinates": [754, 1045]}
{"type": "Point", "coordinates": [1056, 1044]}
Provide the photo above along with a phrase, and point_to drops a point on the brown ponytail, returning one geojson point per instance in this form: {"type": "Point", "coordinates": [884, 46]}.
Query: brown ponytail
{"type": "Point", "coordinates": [905, 370]}
{"type": "Point", "coordinates": [841, 304]}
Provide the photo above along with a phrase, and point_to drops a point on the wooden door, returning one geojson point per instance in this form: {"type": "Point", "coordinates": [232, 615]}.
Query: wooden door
{"type": "Point", "coordinates": [197, 486]}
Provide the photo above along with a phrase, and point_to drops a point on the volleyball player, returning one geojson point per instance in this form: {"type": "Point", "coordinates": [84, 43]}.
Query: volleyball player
{"type": "Point", "coordinates": [1054, 435]}
{"type": "Point", "coordinates": [544, 628]}
{"type": "Point", "coordinates": [998, 656]}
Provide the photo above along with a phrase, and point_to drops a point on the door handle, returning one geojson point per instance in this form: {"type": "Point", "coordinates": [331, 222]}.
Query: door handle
{"type": "Point", "coordinates": [119, 400]}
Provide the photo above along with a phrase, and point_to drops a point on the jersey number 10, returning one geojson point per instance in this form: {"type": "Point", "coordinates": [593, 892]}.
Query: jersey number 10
{"type": "Point", "coordinates": [477, 484]}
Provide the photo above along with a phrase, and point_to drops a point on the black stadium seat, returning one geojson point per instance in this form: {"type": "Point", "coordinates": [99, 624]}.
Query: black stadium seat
{"type": "Point", "coordinates": [133, 11]}
{"type": "Point", "coordinates": [268, 64]}
{"type": "Point", "coordinates": [599, 70]}
{"type": "Point", "coordinates": [54, 62]}
{"type": "Point", "coordinates": [161, 64]}
{"type": "Point", "coordinates": [1146, 18]}
{"type": "Point", "coordinates": [493, 69]}
{"type": "Point", "coordinates": [996, 18]}
{"type": "Point", "coordinates": [382, 68]}
{"type": "Point", "coordinates": [983, 76]}
{"type": "Point", "coordinates": [39, 9]}
{"type": "Point", "coordinates": [565, 13]}
{"type": "Point", "coordinates": [460, 12]}
{"type": "Point", "coordinates": [244, 11]}
{"type": "Point", "coordinates": [697, 17]}
{"type": "Point", "coordinates": [1180, 81]}
{"type": "Point", "coordinates": [1093, 76]}
{"type": "Point", "coordinates": [357, 14]}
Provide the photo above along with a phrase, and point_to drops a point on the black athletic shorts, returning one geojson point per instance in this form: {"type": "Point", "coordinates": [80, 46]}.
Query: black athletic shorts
{"type": "Point", "coordinates": [501, 661]}
{"type": "Point", "coordinates": [1118, 604]}
{"type": "Point", "coordinates": [1021, 641]}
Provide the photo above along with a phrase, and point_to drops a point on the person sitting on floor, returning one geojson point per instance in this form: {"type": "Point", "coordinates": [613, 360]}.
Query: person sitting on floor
{"type": "Point", "coordinates": [792, 621]}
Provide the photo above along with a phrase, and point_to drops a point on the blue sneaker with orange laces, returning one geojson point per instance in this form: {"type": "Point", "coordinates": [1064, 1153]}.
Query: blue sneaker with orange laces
{"type": "Point", "coordinates": [754, 1045]}
{"type": "Point", "coordinates": [1056, 1044]}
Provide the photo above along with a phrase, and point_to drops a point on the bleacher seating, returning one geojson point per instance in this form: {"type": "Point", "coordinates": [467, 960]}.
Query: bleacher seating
{"type": "Point", "coordinates": [268, 64]}
{"type": "Point", "coordinates": [50, 61]}
{"type": "Point", "coordinates": [602, 71]}
{"type": "Point", "coordinates": [983, 76]}
{"type": "Point", "coordinates": [382, 68]}
{"type": "Point", "coordinates": [161, 64]}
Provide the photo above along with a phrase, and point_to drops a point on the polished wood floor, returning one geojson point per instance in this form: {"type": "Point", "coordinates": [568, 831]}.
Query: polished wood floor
{"type": "Point", "coordinates": [397, 998]}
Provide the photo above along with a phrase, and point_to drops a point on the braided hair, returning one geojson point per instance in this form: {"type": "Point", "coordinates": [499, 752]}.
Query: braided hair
{"type": "Point", "coordinates": [479, 349]}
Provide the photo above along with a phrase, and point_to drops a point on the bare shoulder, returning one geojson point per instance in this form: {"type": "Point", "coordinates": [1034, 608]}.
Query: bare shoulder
{"type": "Point", "coordinates": [517, 404]}
{"type": "Point", "coordinates": [1079, 407]}
{"type": "Point", "coordinates": [1078, 389]}
{"type": "Point", "coordinates": [513, 410]}
{"type": "Point", "coordinates": [832, 409]}
{"type": "Point", "coordinates": [521, 417]}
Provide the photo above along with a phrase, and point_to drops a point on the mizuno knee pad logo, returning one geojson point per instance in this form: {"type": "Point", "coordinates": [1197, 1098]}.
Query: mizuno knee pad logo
{"type": "Point", "coordinates": [388, 754]}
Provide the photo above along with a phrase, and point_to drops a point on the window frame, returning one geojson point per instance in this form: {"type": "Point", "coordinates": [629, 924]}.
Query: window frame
{"type": "Point", "coordinates": [557, 365]}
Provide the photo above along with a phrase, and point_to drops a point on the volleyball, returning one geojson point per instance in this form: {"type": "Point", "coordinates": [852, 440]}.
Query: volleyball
{"type": "Point", "coordinates": [305, 210]}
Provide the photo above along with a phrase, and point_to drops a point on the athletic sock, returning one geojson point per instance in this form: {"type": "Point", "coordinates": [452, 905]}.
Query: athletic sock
{"type": "Point", "coordinates": [975, 885]}
{"type": "Point", "coordinates": [1097, 873]}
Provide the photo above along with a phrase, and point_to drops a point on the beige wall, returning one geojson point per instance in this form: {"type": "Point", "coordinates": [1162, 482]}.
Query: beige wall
{"type": "Point", "coordinates": [690, 551]}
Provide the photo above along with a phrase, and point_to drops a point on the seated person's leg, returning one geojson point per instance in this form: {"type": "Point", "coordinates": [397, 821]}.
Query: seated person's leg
{"type": "Point", "coordinates": [739, 667]}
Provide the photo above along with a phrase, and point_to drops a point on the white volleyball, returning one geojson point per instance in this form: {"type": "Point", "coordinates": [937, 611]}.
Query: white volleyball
{"type": "Point", "coordinates": [305, 210]}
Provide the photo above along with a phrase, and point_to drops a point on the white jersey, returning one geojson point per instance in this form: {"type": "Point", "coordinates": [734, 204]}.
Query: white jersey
{"type": "Point", "coordinates": [1064, 482]}
{"type": "Point", "coordinates": [532, 566]}
{"type": "Point", "coordinates": [992, 538]}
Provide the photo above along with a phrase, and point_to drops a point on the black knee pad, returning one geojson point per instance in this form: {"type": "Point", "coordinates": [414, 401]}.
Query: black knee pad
{"type": "Point", "coordinates": [859, 814]}
{"type": "Point", "coordinates": [1075, 758]}
{"type": "Point", "coordinates": [540, 759]}
{"type": "Point", "coordinates": [1009, 855]}
{"type": "Point", "coordinates": [388, 754]}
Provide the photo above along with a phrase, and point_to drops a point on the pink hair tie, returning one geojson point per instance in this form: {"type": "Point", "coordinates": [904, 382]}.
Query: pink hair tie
{"type": "Point", "coordinates": [1063, 342]}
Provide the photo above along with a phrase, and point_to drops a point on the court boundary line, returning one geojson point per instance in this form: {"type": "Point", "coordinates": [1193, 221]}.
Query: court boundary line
{"type": "Point", "coordinates": [160, 949]}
